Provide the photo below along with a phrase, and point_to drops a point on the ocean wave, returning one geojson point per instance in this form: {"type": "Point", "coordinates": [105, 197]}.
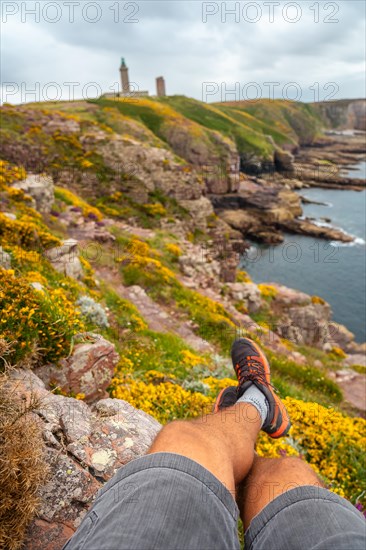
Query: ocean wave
{"type": "Point", "coordinates": [358, 241]}
{"type": "Point", "coordinates": [319, 223]}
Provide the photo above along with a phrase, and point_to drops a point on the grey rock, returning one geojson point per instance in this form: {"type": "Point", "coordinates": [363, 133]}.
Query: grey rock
{"type": "Point", "coordinates": [88, 370]}
{"type": "Point", "coordinates": [41, 189]}
{"type": "Point", "coordinates": [284, 160]}
{"type": "Point", "coordinates": [355, 359]}
{"type": "Point", "coordinates": [37, 286]}
{"type": "Point", "coordinates": [65, 259]}
{"type": "Point", "coordinates": [340, 336]}
{"type": "Point", "coordinates": [10, 215]}
{"type": "Point", "coordinates": [85, 447]}
{"type": "Point", "coordinates": [199, 210]}
{"type": "Point", "coordinates": [249, 293]}
{"type": "Point", "coordinates": [5, 259]}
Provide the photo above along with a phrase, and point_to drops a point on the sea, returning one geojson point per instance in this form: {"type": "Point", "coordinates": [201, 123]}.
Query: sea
{"type": "Point", "coordinates": [333, 270]}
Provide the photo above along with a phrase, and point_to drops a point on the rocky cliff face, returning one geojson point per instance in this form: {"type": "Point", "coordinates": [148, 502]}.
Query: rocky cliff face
{"type": "Point", "coordinates": [85, 446]}
{"type": "Point", "coordinates": [344, 114]}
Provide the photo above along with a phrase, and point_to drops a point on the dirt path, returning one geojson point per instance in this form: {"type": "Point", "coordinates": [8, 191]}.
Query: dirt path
{"type": "Point", "coordinates": [158, 318]}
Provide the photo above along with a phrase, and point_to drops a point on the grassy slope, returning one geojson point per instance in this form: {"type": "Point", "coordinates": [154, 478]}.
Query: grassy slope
{"type": "Point", "coordinates": [296, 122]}
{"type": "Point", "coordinates": [248, 124]}
{"type": "Point", "coordinates": [245, 135]}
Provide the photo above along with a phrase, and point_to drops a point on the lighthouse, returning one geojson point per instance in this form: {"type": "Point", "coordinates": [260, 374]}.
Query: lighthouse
{"type": "Point", "coordinates": [124, 77]}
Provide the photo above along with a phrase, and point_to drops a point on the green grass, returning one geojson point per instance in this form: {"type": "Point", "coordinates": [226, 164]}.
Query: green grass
{"type": "Point", "coordinates": [299, 121]}
{"type": "Point", "coordinates": [361, 369]}
{"type": "Point", "coordinates": [329, 361]}
{"type": "Point", "coordinates": [143, 113]}
{"type": "Point", "coordinates": [310, 381]}
{"type": "Point", "coordinates": [246, 138]}
{"type": "Point", "coordinates": [147, 349]}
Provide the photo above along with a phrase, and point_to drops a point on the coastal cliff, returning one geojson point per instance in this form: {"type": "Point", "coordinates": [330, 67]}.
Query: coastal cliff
{"type": "Point", "coordinates": [343, 114]}
{"type": "Point", "coordinates": [121, 230]}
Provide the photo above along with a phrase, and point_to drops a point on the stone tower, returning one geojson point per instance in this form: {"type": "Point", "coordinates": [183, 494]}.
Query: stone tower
{"type": "Point", "coordinates": [124, 77]}
{"type": "Point", "coordinates": [160, 86]}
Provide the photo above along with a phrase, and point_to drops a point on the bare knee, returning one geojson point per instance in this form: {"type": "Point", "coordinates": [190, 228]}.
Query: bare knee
{"type": "Point", "coordinates": [269, 478]}
{"type": "Point", "coordinates": [170, 435]}
{"type": "Point", "coordinates": [297, 471]}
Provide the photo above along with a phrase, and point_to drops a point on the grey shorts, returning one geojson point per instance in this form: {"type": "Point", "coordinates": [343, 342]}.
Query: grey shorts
{"type": "Point", "coordinates": [166, 501]}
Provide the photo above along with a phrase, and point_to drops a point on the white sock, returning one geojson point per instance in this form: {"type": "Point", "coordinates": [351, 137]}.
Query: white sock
{"type": "Point", "coordinates": [254, 396]}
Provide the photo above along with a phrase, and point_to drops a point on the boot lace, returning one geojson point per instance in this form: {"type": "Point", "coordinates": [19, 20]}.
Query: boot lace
{"type": "Point", "coordinates": [252, 369]}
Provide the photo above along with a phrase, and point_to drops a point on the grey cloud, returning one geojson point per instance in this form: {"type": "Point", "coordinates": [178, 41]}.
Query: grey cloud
{"type": "Point", "coordinates": [171, 39]}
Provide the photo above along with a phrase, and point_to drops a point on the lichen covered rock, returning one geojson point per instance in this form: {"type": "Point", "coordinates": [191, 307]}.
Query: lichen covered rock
{"type": "Point", "coordinates": [85, 447]}
{"type": "Point", "coordinates": [88, 370]}
{"type": "Point", "coordinates": [65, 259]}
{"type": "Point", "coordinates": [40, 188]}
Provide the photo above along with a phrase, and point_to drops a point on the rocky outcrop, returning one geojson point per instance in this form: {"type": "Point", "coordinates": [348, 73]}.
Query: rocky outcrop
{"type": "Point", "coordinates": [306, 320]}
{"type": "Point", "coordinates": [198, 262]}
{"type": "Point", "coordinates": [41, 189]}
{"type": "Point", "coordinates": [344, 114]}
{"type": "Point", "coordinates": [199, 210]}
{"type": "Point", "coordinates": [307, 227]}
{"type": "Point", "coordinates": [289, 297]}
{"type": "Point", "coordinates": [87, 371]}
{"type": "Point", "coordinates": [321, 164]}
{"type": "Point", "coordinates": [5, 259]}
{"type": "Point", "coordinates": [65, 259]}
{"type": "Point", "coordinates": [258, 208]}
{"type": "Point", "coordinates": [284, 161]}
{"type": "Point", "coordinates": [247, 293]}
{"type": "Point", "coordinates": [250, 226]}
{"type": "Point", "coordinates": [85, 447]}
{"type": "Point", "coordinates": [355, 359]}
{"type": "Point", "coordinates": [341, 336]}
{"type": "Point", "coordinates": [222, 175]}
{"type": "Point", "coordinates": [146, 169]}
{"type": "Point", "coordinates": [353, 386]}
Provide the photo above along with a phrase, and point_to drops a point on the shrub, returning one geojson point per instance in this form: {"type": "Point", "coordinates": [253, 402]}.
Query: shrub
{"type": "Point", "coordinates": [68, 197]}
{"type": "Point", "coordinates": [338, 353]}
{"type": "Point", "coordinates": [93, 311]}
{"type": "Point", "coordinates": [25, 233]}
{"type": "Point", "coordinates": [268, 292]}
{"type": "Point", "coordinates": [243, 277]}
{"type": "Point", "coordinates": [9, 173]}
{"type": "Point", "coordinates": [40, 325]}
{"type": "Point", "coordinates": [174, 250]}
{"type": "Point", "coordinates": [155, 210]}
{"type": "Point", "coordinates": [191, 359]}
{"type": "Point", "coordinates": [165, 401]}
{"type": "Point", "coordinates": [23, 468]}
{"type": "Point", "coordinates": [317, 300]}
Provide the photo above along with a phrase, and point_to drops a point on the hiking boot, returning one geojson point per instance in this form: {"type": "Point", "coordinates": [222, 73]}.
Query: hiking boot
{"type": "Point", "coordinates": [226, 398]}
{"type": "Point", "coordinates": [251, 367]}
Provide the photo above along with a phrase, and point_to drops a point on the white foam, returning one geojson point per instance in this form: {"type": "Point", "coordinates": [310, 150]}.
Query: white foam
{"type": "Point", "coordinates": [357, 241]}
{"type": "Point", "coordinates": [319, 223]}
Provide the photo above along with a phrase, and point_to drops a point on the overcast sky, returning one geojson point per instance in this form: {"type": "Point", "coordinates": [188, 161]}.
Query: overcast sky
{"type": "Point", "coordinates": [300, 50]}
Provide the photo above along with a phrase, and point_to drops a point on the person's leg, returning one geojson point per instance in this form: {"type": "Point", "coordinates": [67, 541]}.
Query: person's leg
{"type": "Point", "coordinates": [269, 478]}
{"type": "Point", "coordinates": [222, 442]}
{"type": "Point", "coordinates": [182, 493]}
{"type": "Point", "coordinates": [285, 506]}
